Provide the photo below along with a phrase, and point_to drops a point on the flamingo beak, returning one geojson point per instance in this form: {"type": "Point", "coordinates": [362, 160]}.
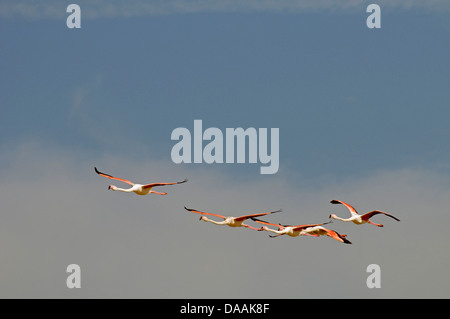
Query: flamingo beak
{"type": "Point", "coordinates": [200, 218]}
{"type": "Point", "coordinates": [109, 187]}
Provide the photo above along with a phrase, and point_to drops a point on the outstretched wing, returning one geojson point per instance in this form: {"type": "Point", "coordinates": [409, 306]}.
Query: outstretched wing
{"type": "Point", "coordinates": [164, 184]}
{"type": "Point", "coordinates": [376, 212]}
{"type": "Point", "coordinates": [240, 218]}
{"type": "Point", "coordinates": [300, 227]}
{"type": "Point", "coordinates": [350, 208]}
{"type": "Point", "coordinates": [112, 177]}
{"type": "Point", "coordinates": [203, 213]}
{"type": "Point", "coordinates": [267, 223]}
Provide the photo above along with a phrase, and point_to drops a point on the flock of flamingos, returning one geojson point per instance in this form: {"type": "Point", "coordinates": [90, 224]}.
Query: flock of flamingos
{"type": "Point", "coordinates": [314, 230]}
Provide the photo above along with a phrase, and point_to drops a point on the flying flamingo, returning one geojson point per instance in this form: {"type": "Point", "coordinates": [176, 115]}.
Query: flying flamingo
{"type": "Point", "coordinates": [314, 230]}
{"type": "Point", "coordinates": [136, 188]}
{"type": "Point", "coordinates": [230, 221]}
{"type": "Point", "coordinates": [359, 219]}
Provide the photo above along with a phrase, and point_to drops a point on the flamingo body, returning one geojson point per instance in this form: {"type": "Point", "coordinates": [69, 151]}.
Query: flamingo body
{"type": "Point", "coordinates": [138, 189]}
{"type": "Point", "coordinates": [289, 230]}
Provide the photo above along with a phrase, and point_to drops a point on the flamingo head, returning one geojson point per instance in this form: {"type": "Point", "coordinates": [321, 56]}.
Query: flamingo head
{"type": "Point", "coordinates": [203, 218]}
{"type": "Point", "coordinates": [264, 228]}
{"type": "Point", "coordinates": [112, 187]}
{"type": "Point", "coordinates": [332, 216]}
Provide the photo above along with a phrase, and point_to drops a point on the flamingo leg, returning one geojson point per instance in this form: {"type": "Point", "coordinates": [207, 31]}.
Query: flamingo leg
{"type": "Point", "coordinates": [248, 226]}
{"type": "Point", "coordinates": [158, 193]}
{"type": "Point", "coordinates": [371, 222]}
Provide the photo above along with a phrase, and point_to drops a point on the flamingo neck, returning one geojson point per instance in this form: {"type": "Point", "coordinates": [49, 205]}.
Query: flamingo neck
{"type": "Point", "coordinates": [274, 231]}
{"type": "Point", "coordinates": [339, 218]}
{"type": "Point", "coordinates": [206, 219]}
{"type": "Point", "coordinates": [126, 190]}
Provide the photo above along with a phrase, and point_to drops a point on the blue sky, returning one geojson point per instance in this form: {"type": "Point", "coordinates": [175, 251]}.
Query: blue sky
{"type": "Point", "coordinates": [354, 106]}
{"type": "Point", "coordinates": [336, 89]}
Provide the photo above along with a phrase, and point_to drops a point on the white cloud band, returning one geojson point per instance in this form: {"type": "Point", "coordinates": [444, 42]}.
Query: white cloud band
{"type": "Point", "coordinates": [124, 9]}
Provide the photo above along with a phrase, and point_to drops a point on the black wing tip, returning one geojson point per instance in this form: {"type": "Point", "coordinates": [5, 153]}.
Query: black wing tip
{"type": "Point", "coordinates": [183, 181]}
{"type": "Point", "coordinates": [189, 209]}
{"type": "Point", "coordinates": [389, 215]}
{"type": "Point", "coordinates": [394, 218]}
{"type": "Point", "coordinates": [334, 201]}
{"type": "Point", "coordinates": [101, 173]}
{"type": "Point", "coordinates": [345, 240]}
{"type": "Point", "coordinates": [276, 211]}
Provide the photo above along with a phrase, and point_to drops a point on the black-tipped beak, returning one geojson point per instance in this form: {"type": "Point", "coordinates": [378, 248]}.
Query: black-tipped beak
{"type": "Point", "coordinates": [200, 218]}
{"type": "Point", "coordinates": [109, 187]}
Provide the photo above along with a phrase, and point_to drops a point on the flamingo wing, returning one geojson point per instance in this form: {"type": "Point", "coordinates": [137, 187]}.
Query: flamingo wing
{"type": "Point", "coordinates": [164, 184]}
{"type": "Point", "coordinates": [367, 216]}
{"type": "Point", "coordinates": [240, 218]}
{"type": "Point", "coordinates": [350, 208]}
{"type": "Point", "coordinates": [300, 227]}
{"type": "Point", "coordinates": [267, 223]}
{"type": "Point", "coordinates": [112, 177]}
{"type": "Point", "coordinates": [203, 213]}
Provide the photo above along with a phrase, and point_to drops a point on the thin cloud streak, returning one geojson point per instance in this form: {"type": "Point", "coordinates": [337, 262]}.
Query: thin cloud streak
{"type": "Point", "coordinates": [125, 9]}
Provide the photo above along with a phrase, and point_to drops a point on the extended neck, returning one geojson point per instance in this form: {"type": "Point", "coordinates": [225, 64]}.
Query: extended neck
{"type": "Point", "coordinates": [339, 218]}
{"type": "Point", "coordinates": [206, 219]}
{"type": "Point", "coordinates": [126, 190]}
{"type": "Point", "coordinates": [280, 231]}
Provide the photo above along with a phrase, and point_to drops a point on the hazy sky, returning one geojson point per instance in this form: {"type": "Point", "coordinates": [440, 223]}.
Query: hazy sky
{"type": "Point", "coordinates": [363, 116]}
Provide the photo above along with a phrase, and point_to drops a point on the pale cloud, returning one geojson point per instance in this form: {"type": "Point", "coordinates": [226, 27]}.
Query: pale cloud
{"type": "Point", "coordinates": [124, 9]}
{"type": "Point", "coordinates": [56, 211]}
